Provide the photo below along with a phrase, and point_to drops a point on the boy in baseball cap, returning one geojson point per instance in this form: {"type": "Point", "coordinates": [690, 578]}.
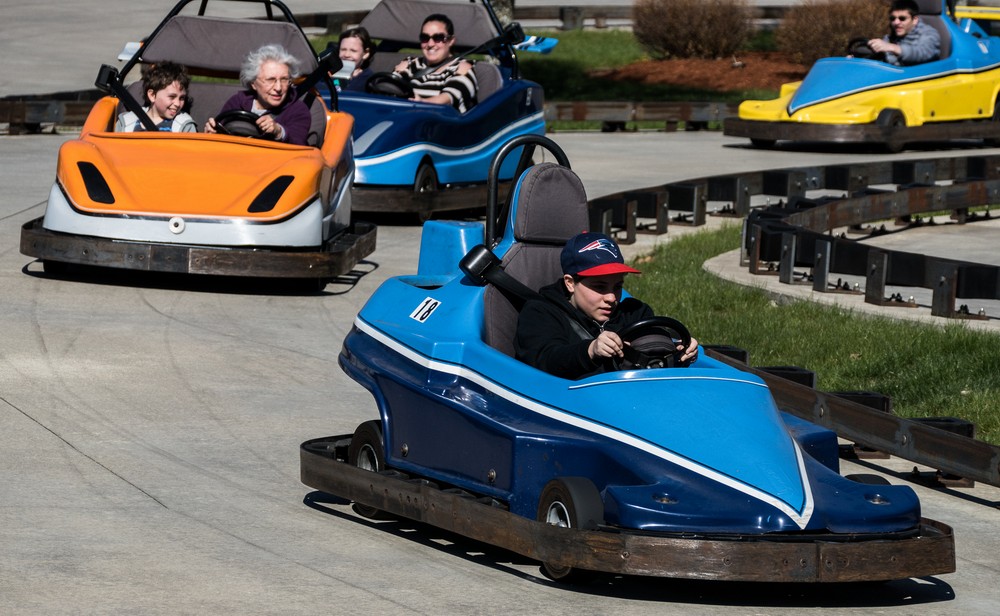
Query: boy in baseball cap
{"type": "Point", "coordinates": [571, 331]}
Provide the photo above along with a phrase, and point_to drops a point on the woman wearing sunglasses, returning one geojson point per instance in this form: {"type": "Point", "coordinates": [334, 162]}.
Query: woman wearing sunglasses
{"type": "Point", "coordinates": [438, 76]}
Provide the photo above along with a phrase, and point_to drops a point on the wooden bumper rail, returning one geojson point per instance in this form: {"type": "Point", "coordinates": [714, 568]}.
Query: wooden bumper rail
{"type": "Point", "coordinates": [809, 559]}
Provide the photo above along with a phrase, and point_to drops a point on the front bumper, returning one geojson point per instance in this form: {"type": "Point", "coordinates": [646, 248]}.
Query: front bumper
{"type": "Point", "coordinates": [335, 258]}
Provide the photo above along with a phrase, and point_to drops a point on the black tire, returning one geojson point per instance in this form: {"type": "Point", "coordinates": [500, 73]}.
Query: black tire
{"type": "Point", "coordinates": [869, 479]}
{"type": "Point", "coordinates": [425, 182]}
{"type": "Point", "coordinates": [367, 451]}
{"type": "Point", "coordinates": [570, 502]}
{"type": "Point", "coordinates": [893, 123]}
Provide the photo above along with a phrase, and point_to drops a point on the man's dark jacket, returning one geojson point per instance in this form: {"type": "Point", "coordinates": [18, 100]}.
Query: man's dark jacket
{"type": "Point", "coordinates": [553, 335]}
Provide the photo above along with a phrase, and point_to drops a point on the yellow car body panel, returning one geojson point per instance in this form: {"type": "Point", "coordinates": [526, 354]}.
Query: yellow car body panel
{"type": "Point", "coordinates": [949, 99]}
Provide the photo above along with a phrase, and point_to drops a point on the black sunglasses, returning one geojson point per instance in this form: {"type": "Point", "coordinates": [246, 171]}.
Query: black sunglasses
{"type": "Point", "coordinates": [437, 37]}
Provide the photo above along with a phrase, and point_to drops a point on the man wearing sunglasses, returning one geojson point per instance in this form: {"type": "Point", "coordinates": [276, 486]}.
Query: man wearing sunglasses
{"type": "Point", "coordinates": [438, 76]}
{"type": "Point", "coordinates": [909, 41]}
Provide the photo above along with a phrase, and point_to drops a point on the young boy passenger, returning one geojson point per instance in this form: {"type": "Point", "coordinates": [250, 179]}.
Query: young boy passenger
{"type": "Point", "coordinates": [571, 331]}
{"type": "Point", "coordinates": [165, 92]}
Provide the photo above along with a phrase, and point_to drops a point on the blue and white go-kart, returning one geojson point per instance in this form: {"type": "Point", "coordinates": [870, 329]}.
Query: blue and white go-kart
{"type": "Point", "coordinates": [682, 471]}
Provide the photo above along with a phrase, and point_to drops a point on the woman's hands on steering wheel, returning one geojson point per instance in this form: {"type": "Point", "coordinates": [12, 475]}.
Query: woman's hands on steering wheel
{"type": "Point", "coordinates": [390, 84]}
{"type": "Point", "coordinates": [238, 122]}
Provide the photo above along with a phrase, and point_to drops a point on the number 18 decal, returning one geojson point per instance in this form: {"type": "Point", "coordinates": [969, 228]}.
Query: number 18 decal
{"type": "Point", "coordinates": [425, 309]}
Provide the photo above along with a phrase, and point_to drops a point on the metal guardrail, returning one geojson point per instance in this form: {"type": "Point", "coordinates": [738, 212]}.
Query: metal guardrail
{"type": "Point", "coordinates": [913, 440]}
{"type": "Point", "coordinates": [798, 231]}
{"type": "Point", "coordinates": [613, 115]}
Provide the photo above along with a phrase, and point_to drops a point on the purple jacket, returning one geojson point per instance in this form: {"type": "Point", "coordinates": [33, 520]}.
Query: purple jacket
{"type": "Point", "coordinates": [293, 116]}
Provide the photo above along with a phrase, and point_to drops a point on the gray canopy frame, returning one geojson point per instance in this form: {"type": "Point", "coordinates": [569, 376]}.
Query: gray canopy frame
{"type": "Point", "coordinates": [396, 25]}
{"type": "Point", "coordinates": [214, 44]}
{"type": "Point", "coordinates": [399, 20]}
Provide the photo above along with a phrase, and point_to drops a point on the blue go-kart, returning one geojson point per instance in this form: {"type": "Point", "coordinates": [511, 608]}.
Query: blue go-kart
{"type": "Point", "coordinates": [420, 157]}
{"type": "Point", "coordinates": [688, 472]}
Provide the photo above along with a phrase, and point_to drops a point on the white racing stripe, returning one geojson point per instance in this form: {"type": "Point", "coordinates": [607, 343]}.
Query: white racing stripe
{"type": "Point", "coordinates": [801, 518]}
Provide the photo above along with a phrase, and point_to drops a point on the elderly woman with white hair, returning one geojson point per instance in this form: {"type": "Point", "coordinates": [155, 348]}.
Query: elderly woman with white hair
{"type": "Point", "coordinates": [267, 75]}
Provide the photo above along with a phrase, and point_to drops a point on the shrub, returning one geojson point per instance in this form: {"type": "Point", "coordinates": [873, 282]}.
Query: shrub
{"type": "Point", "coordinates": [692, 28]}
{"type": "Point", "coordinates": [821, 28]}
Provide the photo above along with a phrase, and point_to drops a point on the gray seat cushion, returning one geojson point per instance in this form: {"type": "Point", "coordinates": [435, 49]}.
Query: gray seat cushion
{"type": "Point", "coordinates": [550, 209]}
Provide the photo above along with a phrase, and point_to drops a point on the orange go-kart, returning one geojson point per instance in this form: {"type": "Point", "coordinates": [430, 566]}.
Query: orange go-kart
{"type": "Point", "coordinates": [225, 204]}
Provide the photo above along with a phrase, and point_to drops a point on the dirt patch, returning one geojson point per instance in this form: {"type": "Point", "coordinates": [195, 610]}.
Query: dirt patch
{"type": "Point", "coordinates": [760, 69]}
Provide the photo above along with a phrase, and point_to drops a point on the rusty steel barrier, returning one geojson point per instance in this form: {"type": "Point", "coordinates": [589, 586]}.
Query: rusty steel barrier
{"type": "Point", "coordinates": [798, 230]}
{"type": "Point", "coordinates": [916, 440]}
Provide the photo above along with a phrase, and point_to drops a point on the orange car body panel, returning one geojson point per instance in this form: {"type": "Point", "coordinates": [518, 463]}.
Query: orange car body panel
{"type": "Point", "coordinates": [196, 185]}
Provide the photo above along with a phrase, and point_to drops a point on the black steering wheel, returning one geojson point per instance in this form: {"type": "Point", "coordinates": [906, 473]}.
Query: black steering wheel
{"type": "Point", "coordinates": [389, 84]}
{"type": "Point", "coordinates": [239, 123]}
{"type": "Point", "coordinates": [653, 343]}
{"type": "Point", "coordinates": [859, 48]}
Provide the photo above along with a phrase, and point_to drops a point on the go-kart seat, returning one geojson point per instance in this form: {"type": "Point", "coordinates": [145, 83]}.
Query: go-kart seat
{"type": "Point", "coordinates": [317, 124]}
{"type": "Point", "coordinates": [488, 79]}
{"type": "Point", "coordinates": [930, 14]}
{"type": "Point", "coordinates": [551, 207]}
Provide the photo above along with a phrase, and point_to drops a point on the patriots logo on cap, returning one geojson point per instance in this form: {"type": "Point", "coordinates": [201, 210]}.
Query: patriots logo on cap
{"type": "Point", "coordinates": [601, 244]}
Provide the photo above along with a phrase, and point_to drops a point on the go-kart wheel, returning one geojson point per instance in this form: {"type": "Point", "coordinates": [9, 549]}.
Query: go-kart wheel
{"type": "Point", "coordinates": [389, 84]}
{"type": "Point", "coordinates": [892, 122]}
{"type": "Point", "coordinates": [367, 451]}
{"type": "Point", "coordinates": [426, 179]}
{"type": "Point", "coordinates": [653, 343]}
{"type": "Point", "coordinates": [239, 123]}
{"type": "Point", "coordinates": [570, 502]}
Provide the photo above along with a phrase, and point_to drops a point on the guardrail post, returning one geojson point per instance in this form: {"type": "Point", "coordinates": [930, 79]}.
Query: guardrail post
{"type": "Point", "coordinates": [753, 248]}
{"type": "Point", "coordinates": [786, 268]}
{"type": "Point", "coordinates": [821, 269]}
{"type": "Point", "coordinates": [878, 261]}
{"type": "Point", "coordinates": [945, 279]}
{"type": "Point", "coordinates": [571, 17]}
{"type": "Point", "coordinates": [650, 204]}
{"type": "Point", "coordinates": [687, 198]}
{"type": "Point", "coordinates": [849, 178]}
{"type": "Point", "coordinates": [785, 183]}
{"type": "Point", "coordinates": [908, 172]}
{"type": "Point", "coordinates": [612, 214]}
{"type": "Point", "coordinates": [735, 190]}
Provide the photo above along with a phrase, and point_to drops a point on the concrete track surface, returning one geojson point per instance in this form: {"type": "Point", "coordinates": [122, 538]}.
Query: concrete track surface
{"type": "Point", "coordinates": [150, 430]}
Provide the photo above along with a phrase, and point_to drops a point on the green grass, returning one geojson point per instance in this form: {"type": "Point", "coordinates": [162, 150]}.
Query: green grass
{"type": "Point", "coordinates": [928, 371]}
{"type": "Point", "coordinates": [565, 73]}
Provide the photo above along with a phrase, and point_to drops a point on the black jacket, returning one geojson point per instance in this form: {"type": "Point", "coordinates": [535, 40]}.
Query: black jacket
{"type": "Point", "coordinates": [553, 335]}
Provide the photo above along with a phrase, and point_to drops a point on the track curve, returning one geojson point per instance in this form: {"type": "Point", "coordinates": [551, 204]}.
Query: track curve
{"type": "Point", "coordinates": [151, 434]}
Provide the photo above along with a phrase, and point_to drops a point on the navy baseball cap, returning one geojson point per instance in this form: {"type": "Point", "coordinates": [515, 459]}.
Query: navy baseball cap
{"type": "Point", "coordinates": [593, 254]}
